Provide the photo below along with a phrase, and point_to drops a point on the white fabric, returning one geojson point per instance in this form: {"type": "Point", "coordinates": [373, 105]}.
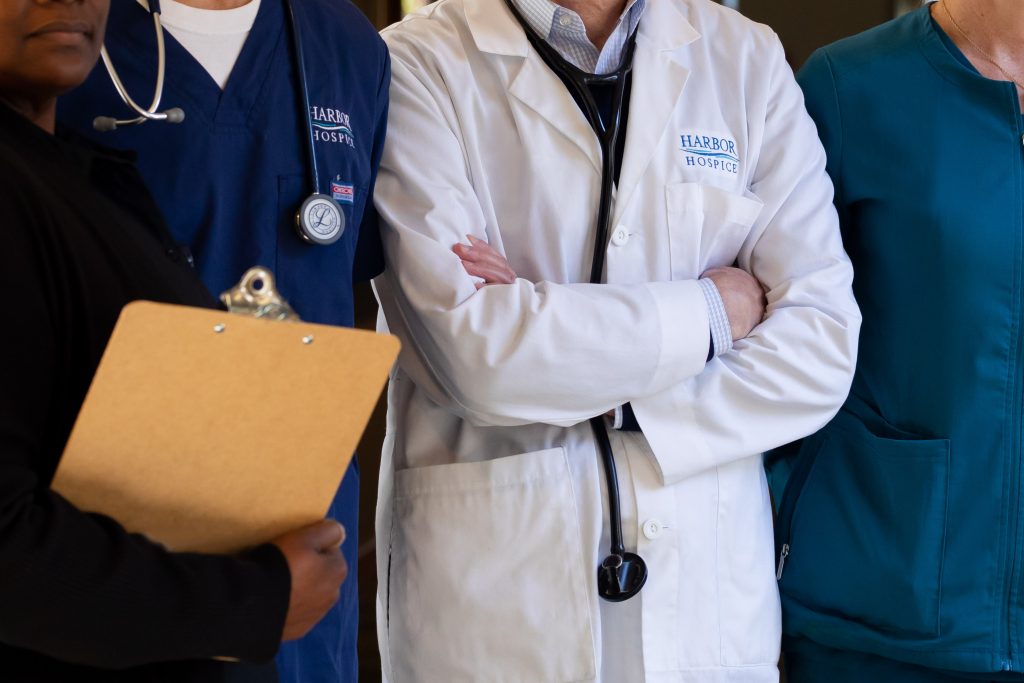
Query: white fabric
{"type": "Point", "coordinates": [491, 511]}
{"type": "Point", "coordinates": [214, 38]}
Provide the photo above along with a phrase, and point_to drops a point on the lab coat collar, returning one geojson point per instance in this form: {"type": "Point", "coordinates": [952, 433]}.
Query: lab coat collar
{"type": "Point", "coordinates": [494, 28]}
{"type": "Point", "coordinates": [496, 31]}
{"type": "Point", "coordinates": [658, 80]}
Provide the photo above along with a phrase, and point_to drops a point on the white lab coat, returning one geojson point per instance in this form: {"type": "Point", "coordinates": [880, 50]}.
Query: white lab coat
{"type": "Point", "coordinates": [491, 515]}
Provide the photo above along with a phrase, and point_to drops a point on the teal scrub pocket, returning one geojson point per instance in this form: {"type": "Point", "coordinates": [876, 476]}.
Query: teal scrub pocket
{"type": "Point", "coordinates": [867, 532]}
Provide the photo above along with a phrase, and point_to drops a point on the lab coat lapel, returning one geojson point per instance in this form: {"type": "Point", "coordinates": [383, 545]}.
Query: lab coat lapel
{"type": "Point", "coordinates": [658, 82]}
{"type": "Point", "coordinates": [537, 87]}
{"type": "Point", "coordinates": [533, 84]}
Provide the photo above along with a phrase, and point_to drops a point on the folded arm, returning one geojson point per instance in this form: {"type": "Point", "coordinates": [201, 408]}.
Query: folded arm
{"type": "Point", "coordinates": [791, 375]}
{"type": "Point", "coordinates": [523, 352]}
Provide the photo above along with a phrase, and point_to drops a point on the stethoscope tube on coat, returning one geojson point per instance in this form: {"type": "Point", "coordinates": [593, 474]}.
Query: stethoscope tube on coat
{"type": "Point", "coordinates": [173, 115]}
{"type": "Point", "coordinates": [622, 574]}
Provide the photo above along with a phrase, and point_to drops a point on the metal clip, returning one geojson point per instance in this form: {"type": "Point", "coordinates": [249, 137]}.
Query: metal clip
{"type": "Point", "coordinates": [782, 561]}
{"type": "Point", "coordinates": [256, 296]}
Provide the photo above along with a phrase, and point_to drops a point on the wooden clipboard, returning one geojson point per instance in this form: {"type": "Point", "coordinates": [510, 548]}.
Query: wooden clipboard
{"type": "Point", "coordinates": [212, 432]}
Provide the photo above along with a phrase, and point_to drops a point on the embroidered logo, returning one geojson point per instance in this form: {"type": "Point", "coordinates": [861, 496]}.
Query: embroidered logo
{"type": "Point", "coordinates": [710, 151]}
{"type": "Point", "coordinates": [331, 125]}
{"type": "Point", "coordinates": [343, 193]}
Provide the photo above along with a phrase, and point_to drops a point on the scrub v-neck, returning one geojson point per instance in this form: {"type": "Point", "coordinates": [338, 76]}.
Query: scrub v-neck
{"type": "Point", "coordinates": [189, 85]}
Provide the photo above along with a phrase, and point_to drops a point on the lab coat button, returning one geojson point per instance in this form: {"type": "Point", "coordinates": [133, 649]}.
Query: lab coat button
{"type": "Point", "coordinates": [620, 236]}
{"type": "Point", "coordinates": [652, 529]}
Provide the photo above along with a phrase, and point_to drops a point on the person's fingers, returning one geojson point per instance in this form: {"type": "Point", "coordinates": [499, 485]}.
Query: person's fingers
{"type": "Point", "coordinates": [490, 274]}
{"type": "Point", "coordinates": [481, 260]}
{"type": "Point", "coordinates": [326, 534]}
{"type": "Point", "coordinates": [481, 246]}
{"type": "Point", "coordinates": [495, 259]}
{"type": "Point", "coordinates": [473, 242]}
{"type": "Point", "coordinates": [472, 268]}
{"type": "Point", "coordinates": [499, 273]}
{"type": "Point", "coordinates": [480, 251]}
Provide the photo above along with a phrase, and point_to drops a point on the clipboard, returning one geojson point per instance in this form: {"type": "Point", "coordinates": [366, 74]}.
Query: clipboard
{"type": "Point", "coordinates": [211, 432]}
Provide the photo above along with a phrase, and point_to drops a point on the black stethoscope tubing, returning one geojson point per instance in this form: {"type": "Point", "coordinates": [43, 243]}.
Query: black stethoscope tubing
{"type": "Point", "coordinates": [622, 574]}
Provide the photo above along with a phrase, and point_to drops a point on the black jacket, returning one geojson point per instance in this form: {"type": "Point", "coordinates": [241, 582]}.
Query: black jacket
{"type": "Point", "coordinates": [80, 598]}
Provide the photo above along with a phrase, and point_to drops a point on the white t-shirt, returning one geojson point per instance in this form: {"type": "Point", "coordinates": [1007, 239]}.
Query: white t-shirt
{"type": "Point", "coordinates": [213, 37]}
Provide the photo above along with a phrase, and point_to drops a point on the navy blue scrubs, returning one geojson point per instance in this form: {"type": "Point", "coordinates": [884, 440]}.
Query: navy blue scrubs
{"type": "Point", "coordinates": [230, 178]}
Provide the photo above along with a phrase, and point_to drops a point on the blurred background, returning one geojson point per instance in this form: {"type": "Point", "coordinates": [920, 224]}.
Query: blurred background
{"type": "Point", "coordinates": [803, 26]}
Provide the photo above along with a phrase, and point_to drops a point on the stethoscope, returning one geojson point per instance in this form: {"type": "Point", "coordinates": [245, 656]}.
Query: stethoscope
{"type": "Point", "coordinates": [319, 219]}
{"type": "Point", "coordinates": [622, 574]}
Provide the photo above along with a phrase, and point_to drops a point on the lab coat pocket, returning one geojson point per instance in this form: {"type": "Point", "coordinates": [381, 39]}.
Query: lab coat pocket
{"type": "Point", "coordinates": [487, 579]}
{"type": "Point", "coordinates": [707, 227]}
{"type": "Point", "coordinates": [867, 532]}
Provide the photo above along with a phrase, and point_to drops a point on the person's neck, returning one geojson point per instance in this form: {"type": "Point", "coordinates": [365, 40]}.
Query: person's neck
{"type": "Point", "coordinates": [996, 26]}
{"type": "Point", "coordinates": [599, 16]}
{"type": "Point", "coordinates": [215, 4]}
{"type": "Point", "coordinates": [43, 113]}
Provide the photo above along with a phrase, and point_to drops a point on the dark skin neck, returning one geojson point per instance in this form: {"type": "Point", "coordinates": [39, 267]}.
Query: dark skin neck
{"type": "Point", "coordinates": [599, 16]}
{"type": "Point", "coordinates": [42, 112]}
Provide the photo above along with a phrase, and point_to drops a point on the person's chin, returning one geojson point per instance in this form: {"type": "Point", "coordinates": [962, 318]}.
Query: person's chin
{"type": "Point", "coordinates": [60, 81]}
{"type": "Point", "coordinates": [65, 67]}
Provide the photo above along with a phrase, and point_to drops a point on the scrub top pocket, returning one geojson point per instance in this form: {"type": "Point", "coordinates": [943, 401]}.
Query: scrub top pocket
{"type": "Point", "coordinates": [707, 227]}
{"type": "Point", "coordinates": [868, 529]}
{"type": "Point", "coordinates": [487, 573]}
{"type": "Point", "coordinates": [298, 263]}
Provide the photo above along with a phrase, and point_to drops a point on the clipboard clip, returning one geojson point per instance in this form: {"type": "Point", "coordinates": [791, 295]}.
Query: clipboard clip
{"type": "Point", "coordinates": [256, 296]}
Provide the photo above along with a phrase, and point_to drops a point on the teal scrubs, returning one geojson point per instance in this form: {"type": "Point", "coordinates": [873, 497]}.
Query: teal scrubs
{"type": "Point", "coordinates": [901, 533]}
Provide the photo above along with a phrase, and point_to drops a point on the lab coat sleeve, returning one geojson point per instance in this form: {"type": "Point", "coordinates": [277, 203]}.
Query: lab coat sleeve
{"type": "Point", "coordinates": [791, 375]}
{"type": "Point", "coordinates": [508, 354]}
{"type": "Point", "coordinates": [817, 81]}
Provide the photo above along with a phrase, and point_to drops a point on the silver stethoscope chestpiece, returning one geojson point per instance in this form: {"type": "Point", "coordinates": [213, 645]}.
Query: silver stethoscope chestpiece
{"type": "Point", "coordinates": [320, 220]}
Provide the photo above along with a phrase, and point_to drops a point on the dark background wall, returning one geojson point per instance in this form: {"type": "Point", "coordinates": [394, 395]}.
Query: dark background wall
{"type": "Point", "coordinates": [806, 25]}
{"type": "Point", "coordinates": [803, 26]}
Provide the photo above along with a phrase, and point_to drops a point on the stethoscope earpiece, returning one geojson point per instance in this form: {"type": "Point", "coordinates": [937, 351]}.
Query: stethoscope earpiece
{"type": "Point", "coordinates": [105, 124]}
{"type": "Point", "coordinates": [620, 577]}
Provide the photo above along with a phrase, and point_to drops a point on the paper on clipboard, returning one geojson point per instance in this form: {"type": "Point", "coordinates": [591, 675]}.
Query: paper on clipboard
{"type": "Point", "coordinates": [211, 432]}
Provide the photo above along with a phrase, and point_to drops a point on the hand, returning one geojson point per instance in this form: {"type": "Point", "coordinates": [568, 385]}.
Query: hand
{"type": "Point", "coordinates": [483, 261]}
{"type": "Point", "coordinates": [317, 568]}
{"type": "Point", "coordinates": [743, 297]}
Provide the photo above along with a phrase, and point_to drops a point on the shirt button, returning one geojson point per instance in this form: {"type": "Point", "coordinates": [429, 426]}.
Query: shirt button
{"type": "Point", "coordinates": [565, 20]}
{"type": "Point", "coordinates": [620, 237]}
{"type": "Point", "coordinates": [652, 529]}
